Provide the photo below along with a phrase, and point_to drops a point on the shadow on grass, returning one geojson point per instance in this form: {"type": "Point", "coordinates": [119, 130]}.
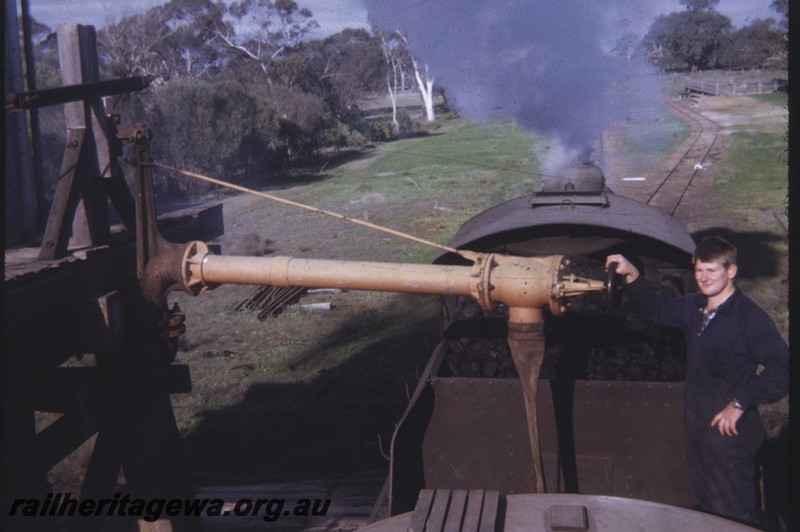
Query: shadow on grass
{"type": "Point", "coordinates": [328, 426]}
{"type": "Point", "coordinates": [757, 253]}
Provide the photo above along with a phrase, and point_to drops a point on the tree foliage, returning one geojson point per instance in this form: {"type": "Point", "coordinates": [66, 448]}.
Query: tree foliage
{"type": "Point", "coordinates": [702, 38]}
{"type": "Point", "coordinates": [250, 51]}
{"type": "Point", "coordinates": [168, 41]}
{"type": "Point", "coordinates": [699, 5]}
{"type": "Point", "coordinates": [781, 7]}
{"type": "Point", "coordinates": [45, 49]}
{"type": "Point", "coordinates": [263, 30]}
{"type": "Point", "coordinates": [343, 67]}
{"type": "Point", "coordinates": [245, 92]}
{"type": "Point", "coordinates": [213, 127]}
{"type": "Point", "coordinates": [757, 45]}
{"type": "Point", "coordinates": [693, 39]}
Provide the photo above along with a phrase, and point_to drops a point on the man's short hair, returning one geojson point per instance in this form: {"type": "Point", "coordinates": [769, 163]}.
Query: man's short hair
{"type": "Point", "coordinates": [715, 249]}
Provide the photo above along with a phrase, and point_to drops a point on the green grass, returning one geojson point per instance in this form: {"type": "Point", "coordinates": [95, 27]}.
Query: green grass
{"type": "Point", "coordinates": [309, 393]}
{"type": "Point", "coordinates": [498, 146]}
{"type": "Point", "coordinates": [751, 185]}
{"type": "Point", "coordinates": [331, 382]}
{"type": "Point", "coordinates": [492, 157]}
{"type": "Point", "coordinates": [349, 370]}
{"type": "Point", "coordinates": [648, 142]}
{"type": "Point", "coordinates": [427, 185]}
{"type": "Point", "coordinates": [774, 98]}
{"type": "Point", "coordinates": [754, 172]}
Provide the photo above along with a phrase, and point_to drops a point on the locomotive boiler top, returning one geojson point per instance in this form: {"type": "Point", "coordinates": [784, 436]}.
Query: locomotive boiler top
{"type": "Point", "coordinates": [576, 178]}
{"type": "Point", "coordinates": [575, 214]}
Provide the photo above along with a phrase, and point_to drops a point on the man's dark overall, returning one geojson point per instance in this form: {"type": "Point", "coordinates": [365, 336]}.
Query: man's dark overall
{"type": "Point", "coordinates": [722, 365]}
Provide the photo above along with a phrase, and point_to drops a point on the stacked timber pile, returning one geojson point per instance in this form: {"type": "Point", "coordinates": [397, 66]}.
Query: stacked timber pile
{"type": "Point", "coordinates": [271, 300]}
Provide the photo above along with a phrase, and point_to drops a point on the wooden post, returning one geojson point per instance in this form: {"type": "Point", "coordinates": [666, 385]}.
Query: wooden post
{"type": "Point", "coordinates": [80, 204]}
{"type": "Point", "coordinates": [20, 215]}
{"type": "Point", "coordinates": [79, 64]}
{"type": "Point", "coordinates": [77, 52]}
{"type": "Point", "coordinates": [67, 197]}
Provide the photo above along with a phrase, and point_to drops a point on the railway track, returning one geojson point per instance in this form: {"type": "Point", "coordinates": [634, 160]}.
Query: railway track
{"type": "Point", "coordinates": [674, 183]}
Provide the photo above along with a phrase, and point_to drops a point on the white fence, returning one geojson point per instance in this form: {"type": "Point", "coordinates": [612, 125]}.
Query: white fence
{"type": "Point", "coordinates": [717, 83]}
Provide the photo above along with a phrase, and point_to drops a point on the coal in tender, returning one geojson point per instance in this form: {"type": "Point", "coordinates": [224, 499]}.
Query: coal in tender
{"type": "Point", "coordinates": [586, 343]}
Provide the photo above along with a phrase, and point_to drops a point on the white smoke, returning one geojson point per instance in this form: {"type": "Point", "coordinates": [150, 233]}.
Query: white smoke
{"type": "Point", "coordinates": [546, 64]}
{"type": "Point", "coordinates": [558, 157]}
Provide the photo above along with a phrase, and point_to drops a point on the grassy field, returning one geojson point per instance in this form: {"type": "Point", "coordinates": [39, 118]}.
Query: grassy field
{"type": "Point", "coordinates": [312, 393]}
{"type": "Point", "coordinates": [751, 187]}
{"type": "Point", "coordinates": [753, 177]}
{"type": "Point", "coordinates": [646, 142]}
{"type": "Point", "coordinates": [754, 171]}
{"type": "Point", "coordinates": [307, 394]}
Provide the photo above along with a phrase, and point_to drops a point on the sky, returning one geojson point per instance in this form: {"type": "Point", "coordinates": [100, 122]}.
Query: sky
{"type": "Point", "coordinates": [332, 15]}
{"type": "Point", "coordinates": [335, 15]}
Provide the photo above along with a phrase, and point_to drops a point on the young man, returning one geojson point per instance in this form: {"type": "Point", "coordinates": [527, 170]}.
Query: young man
{"type": "Point", "coordinates": [737, 359]}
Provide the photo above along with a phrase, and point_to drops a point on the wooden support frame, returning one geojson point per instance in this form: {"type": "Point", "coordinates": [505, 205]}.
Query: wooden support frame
{"type": "Point", "coordinates": [103, 364]}
{"type": "Point", "coordinates": [76, 210]}
{"type": "Point", "coordinates": [91, 175]}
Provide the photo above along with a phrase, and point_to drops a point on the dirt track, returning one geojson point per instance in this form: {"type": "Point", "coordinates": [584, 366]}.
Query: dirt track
{"type": "Point", "coordinates": [702, 210]}
{"type": "Point", "coordinates": [732, 114]}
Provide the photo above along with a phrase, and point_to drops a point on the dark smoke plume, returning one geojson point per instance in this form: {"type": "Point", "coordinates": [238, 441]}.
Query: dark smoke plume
{"type": "Point", "coordinates": [547, 64]}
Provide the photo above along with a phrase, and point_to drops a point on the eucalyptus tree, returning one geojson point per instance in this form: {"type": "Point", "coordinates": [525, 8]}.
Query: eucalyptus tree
{"type": "Point", "coordinates": [262, 31]}
{"type": "Point", "coordinates": [691, 39]}
{"type": "Point", "coordinates": [398, 58]}
{"type": "Point", "coordinates": [758, 45]}
{"type": "Point", "coordinates": [343, 68]}
{"type": "Point", "coordinates": [173, 40]}
{"type": "Point", "coordinates": [316, 86]}
{"type": "Point", "coordinates": [781, 7]}
{"type": "Point", "coordinates": [699, 5]}
{"type": "Point", "coordinates": [424, 82]}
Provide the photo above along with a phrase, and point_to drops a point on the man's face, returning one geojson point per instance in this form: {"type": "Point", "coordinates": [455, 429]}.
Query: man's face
{"type": "Point", "coordinates": [713, 278]}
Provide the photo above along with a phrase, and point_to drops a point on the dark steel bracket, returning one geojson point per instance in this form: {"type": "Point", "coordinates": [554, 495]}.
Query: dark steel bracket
{"type": "Point", "coordinates": [158, 261]}
{"type": "Point", "coordinates": [73, 93]}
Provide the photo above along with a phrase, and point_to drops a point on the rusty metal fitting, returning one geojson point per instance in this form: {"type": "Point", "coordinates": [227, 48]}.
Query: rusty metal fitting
{"type": "Point", "coordinates": [137, 133]}
{"type": "Point", "coordinates": [482, 287]}
{"type": "Point", "coordinates": [173, 326]}
{"type": "Point", "coordinates": [530, 282]}
{"type": "Point", "coordinates": [527, 282]}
